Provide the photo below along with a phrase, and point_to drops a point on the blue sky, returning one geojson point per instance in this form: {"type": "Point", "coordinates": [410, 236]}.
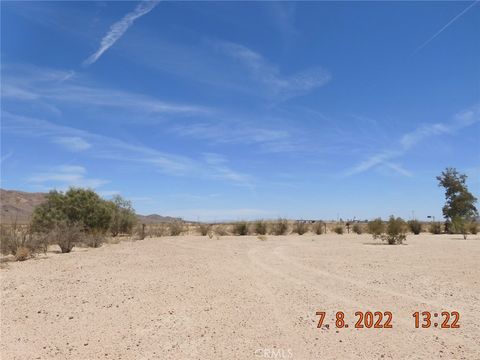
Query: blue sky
{"type": "Point", "coordinates": [228, 110]}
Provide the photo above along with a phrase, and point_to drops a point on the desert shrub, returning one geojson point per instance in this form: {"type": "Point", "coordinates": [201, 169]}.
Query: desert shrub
{"type": "Point", "coordinates": [396, 231]}
{"type": "Point", "coordinates": [300, 227]}
{"type": "Point", "coordinates": [262, 237]}
{"type": "Point", "coordinates": [279, 227]}
{"type": "Point", "coordinates": [240, 228]}
{"type": "Point", "coordinates": [66, 235]}
{"type": "Point", "coordinates": [376, 227]}
{"type": "Point", "coordinates": [473, 228]}
{"type": "Point", "coordinates": [220, 230]}
{"type": "Point", "coordinates": [176, 228]}
{"type": "Point", "coordinates": [260, 227]}
{"type": "Point", "coordinates": [140, 231]}
{"type": "Point", "coordinates": [157, 230]}
{"type": "Point", "coordinates": [22, 253]}
{"type": "Point", "coordinates": [123, 216]}
{"type": "Point", "coordinates": [435, 228]}
{"type": "Point", "coordinates": [415, 226]}
{"type": "Point", "coordinates": [357, 229]}
{"type": "Point", "coordinates": [338, 229]}
{"type": "Point", "coordinates": [460, 226]}
{"type": "Point", "coordinates": [318, 227]}
{"type": "Point", "coordinates": [93, 239]}
{"type": "Point", "coordinates": [204, 229]}
{"type": "Point", "coordinates": [82, 207]}
{"type": "Point", "coordinates": [17, 240]}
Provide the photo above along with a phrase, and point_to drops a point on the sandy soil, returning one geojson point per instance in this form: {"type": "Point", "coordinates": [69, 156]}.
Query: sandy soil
{"type": "Point", "coordinates": [242, 298]}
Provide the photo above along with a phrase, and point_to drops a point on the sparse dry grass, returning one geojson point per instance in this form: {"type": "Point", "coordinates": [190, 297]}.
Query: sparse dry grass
{"type": "Point", "coordinates": [300, 227]}
{"type": "Point", "coordinates": [279, 227]}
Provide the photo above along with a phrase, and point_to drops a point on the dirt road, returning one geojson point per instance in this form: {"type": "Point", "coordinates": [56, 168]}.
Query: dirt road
{"type": "Point", "coordinates": [193, 297]}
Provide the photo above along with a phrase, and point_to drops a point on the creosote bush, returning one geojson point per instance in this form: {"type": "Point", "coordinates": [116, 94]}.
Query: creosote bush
{"type": "Point", "coordinates": [157, 230]}
{"type": "Point", "coordinates": [318, 227]}
{"type": "Point", "coordinates": [260, 227]}
{"type": "Point", "coordinates": [123, 218]}
{"type": "Point", "coordinates": [176, 228]}
{"type": "Point", "coordinates": [93, 239]}
{"type": "Point", "coordinates": [338, 229]}
{"type": "Point", "coordinates": [415, 226]}
{"type": "Point", "coordinates": [473, 228]}
{"type": "Point", "coordinates": [357, 229]}
{"type": "Point", "coordinates": [396, 231]}
{"type": "Point", "coordinates": [140, 231]}
{"type": "Point", "coordinates": [220, 230]}
{"type": "Point", "coordinates": [435, 228]}
{"type": "Point", "coordinates": [279, 227]}
{"type": "Point", "coordinates": [66, 236]}
{"type": "Point", "coordinates": [300, 227]}
{"type": "Point", "coordinates": [376, 227]}
{"type": "Point", "coordinates": [20, 241]}
{"type": "Point", "coordinates": [204, 229]}
{"type": "Point", "coordinates": [460, 226]}
{"type": "Point", "coordinates": [240, 228]}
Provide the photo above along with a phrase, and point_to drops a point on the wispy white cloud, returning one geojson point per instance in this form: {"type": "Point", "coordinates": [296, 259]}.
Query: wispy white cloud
{"type": "Point", "coordinates": [269, 75]}
{"type": "Point", "coordinates": [119, 150]}
{"type": "Point", "coordinates": [460, 120]}
{"type": "Point", "coordinates": [455, 18]}
{"type": "Point", "coordinates": [57, 87]}
{"type": "Point", "coordinates": [119, 28]}
{"type": "Point", "coordinates": [232, 131]}
{"type": "Point", "coordinates": [73, 143]}
{"type": "Point", "coordinates": [65, 176]}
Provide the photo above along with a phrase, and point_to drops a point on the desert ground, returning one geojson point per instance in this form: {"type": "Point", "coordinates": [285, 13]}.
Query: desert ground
{"type": "Point", "coordinates": [238, 297]}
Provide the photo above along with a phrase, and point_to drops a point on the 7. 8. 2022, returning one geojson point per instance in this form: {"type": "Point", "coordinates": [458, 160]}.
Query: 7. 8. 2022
{"type": "Point", "coordinates": [363, 320]}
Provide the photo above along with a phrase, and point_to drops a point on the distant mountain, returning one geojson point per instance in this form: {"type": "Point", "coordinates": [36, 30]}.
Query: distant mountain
{"type": "Point", "coordinates": [156, 219]}
{"type": "Point", "coordinates": [19, 205]}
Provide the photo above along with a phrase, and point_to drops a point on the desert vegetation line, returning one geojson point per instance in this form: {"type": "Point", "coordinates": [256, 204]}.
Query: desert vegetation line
{"type": "Point", "coordinates": [80, 217]}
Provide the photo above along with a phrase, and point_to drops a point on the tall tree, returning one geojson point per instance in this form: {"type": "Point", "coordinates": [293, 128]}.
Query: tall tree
{"type": "Point", "coordinates": [460, 202]}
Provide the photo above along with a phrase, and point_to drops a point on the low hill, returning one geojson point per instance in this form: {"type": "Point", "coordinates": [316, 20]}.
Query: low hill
{"type": "Point", "coordinates": [18, 205]}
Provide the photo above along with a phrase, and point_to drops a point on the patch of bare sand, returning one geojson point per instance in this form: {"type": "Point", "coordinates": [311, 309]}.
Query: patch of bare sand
{"type": "Point", "coordinates": [241, 298]}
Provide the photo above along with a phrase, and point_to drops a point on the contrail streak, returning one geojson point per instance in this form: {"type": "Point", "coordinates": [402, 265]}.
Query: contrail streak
{"type": "Point", "coordinates": [119, 28]}
{"type": "Point", "coordinates": [445, 26]}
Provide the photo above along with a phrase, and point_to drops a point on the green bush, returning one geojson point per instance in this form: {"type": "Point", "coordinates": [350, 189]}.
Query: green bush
{"type": "Point", "coordinates": [415, 226]}
{"type": "Point", "coordinates": [279, 227]}
{"type": "Point", "coordinates": [300, 227]}
{"type": "Point", "coordinates": [376, 227]}
{"type": "Point", "coordinates": [260, 227]}
{"type": "Point", "coordinates": [338, 229]}
{"type": "Point", "coordinates": [435, 228]}
{"type": "Point", "coordinates": [123, 216]}
{"type": "Point", "coordinates": [473, 228]}
{"type": "Point", "coordinates": [318, 227]}
{"type": "Point", "coordinates": [357, 229]}
{"type": "Point", "coordinates": [76, 207]}
{"type": "Point", "coordinates": [460, 226]}
{"type": "Point", "coordinates": [240, 228]}
{"type": "Point", "coordinates": [396, 231]}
